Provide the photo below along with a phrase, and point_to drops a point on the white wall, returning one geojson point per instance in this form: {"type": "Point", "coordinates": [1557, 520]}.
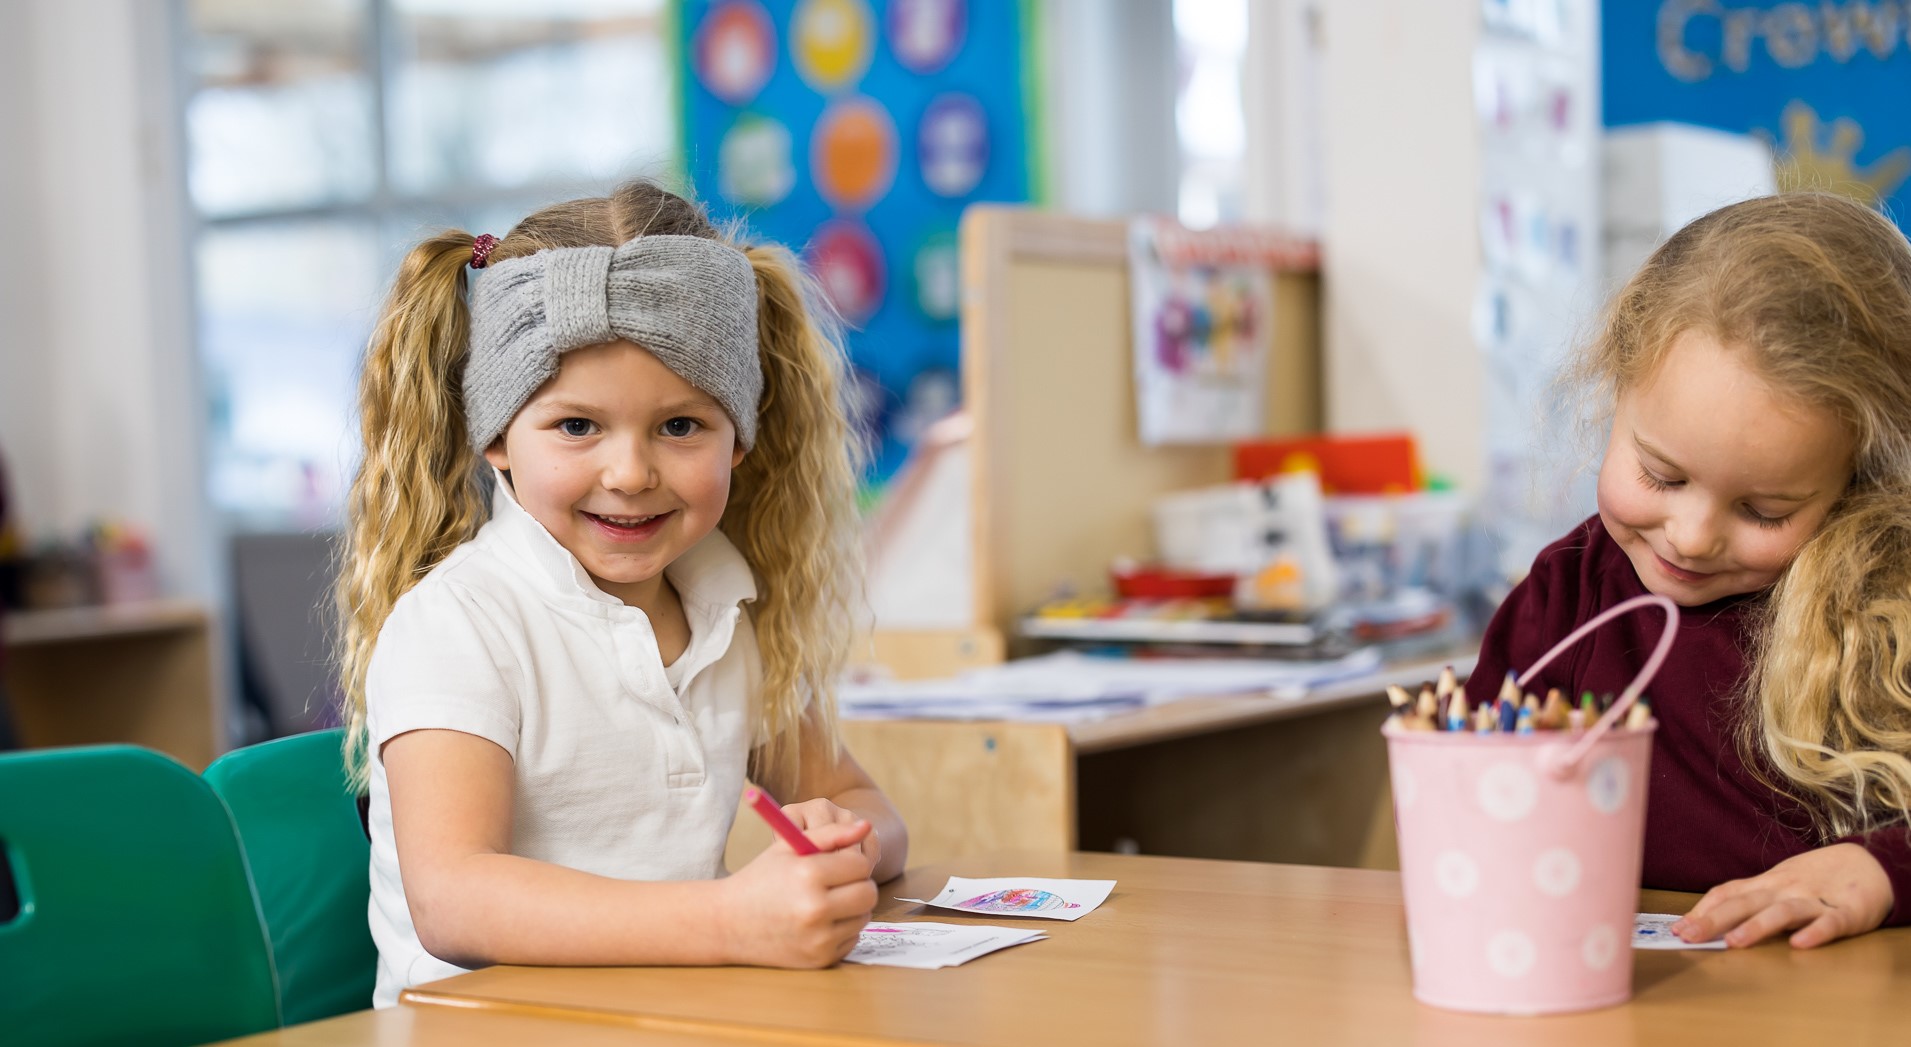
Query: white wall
{"type": "Point", "coordinates": [25, 374]}
{"type": "Point", "coordinates": [99, 401]}
{"type": "Point", "coordinates": [1281, 105]}
{"type": "Point", "coordinates": [1401, 239]}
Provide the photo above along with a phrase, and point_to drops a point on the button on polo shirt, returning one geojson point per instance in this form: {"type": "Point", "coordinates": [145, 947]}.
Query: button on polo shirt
{"type": "Point", "coordinates": [616, 772]}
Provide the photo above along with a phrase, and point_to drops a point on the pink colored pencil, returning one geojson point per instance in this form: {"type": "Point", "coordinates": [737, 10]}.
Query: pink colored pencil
{"type": "Point", "coordinates": [779, 822]}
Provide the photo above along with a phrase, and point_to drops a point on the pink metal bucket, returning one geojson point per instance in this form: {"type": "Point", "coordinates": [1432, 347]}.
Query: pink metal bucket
{"type": "Point", "coordinates": [1519, 855]}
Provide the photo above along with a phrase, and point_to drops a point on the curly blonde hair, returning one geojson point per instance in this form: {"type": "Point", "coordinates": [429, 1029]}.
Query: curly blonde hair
{"type": "Point", "coordinates": [792, 510]}
{"type": "Point", "coordinates": [1815, 290]}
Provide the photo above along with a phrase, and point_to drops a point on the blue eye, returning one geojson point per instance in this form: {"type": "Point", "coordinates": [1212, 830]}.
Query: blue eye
{"type": "Point", "coordinates": [681, 427]}
{"type": "Point", "coordinates": [576, 427]}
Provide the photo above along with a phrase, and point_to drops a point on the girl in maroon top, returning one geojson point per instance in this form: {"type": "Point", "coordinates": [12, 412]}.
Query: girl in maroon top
{"type": "Point", "coordinates": [1757, 371]}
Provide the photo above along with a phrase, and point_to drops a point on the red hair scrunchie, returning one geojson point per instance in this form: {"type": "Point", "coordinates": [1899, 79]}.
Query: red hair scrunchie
{"type": "Point", "coordinates": [481, 249]}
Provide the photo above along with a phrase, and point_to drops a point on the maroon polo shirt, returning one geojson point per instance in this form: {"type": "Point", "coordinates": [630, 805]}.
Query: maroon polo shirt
{"type": "Point", "coordinates": [1709, 819]}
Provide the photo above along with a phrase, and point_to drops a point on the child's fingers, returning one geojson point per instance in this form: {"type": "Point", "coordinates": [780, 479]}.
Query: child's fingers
{"type": "Point", "coordinates": [854, 900]}
{"type": "Point", "coordinates": [833, 869]}
{"type": "Point", "coordinates": [837, 835]}
{"type": "Point", "coordinates": [811, 814]}
{"type": "Point", "coordinates": [1782, 914]}
{"type": "Point", "coordinates": [1723, 908]}
{"type": "Point", "coordinates": [1828, 927]}
{"type": "Point", "coordinates": [847, 932]}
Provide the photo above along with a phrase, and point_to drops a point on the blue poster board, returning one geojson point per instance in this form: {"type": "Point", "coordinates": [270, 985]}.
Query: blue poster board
{"type": "Point", "coordinates": [855, 133]}
{"type": "Point", "coordinates": [1824, 82]}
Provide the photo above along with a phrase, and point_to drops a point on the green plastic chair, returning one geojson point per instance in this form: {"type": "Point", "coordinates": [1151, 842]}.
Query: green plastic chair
{"type": "Point", "coordinates": [298, 822]}
{"type": "Point", "coordinates": [137, 921]}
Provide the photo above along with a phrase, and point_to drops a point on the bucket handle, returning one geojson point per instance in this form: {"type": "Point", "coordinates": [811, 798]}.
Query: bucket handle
{"type": "Point", "coordinates": [1563, 762]}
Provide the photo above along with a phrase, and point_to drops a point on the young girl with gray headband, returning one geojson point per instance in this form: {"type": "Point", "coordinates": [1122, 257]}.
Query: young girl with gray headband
{"type": "Point", "coordinates": [554, 695]}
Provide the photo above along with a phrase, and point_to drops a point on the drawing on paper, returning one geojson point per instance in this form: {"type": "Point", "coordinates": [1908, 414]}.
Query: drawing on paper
{"type": "Point", "coordinates": [1018, 900]}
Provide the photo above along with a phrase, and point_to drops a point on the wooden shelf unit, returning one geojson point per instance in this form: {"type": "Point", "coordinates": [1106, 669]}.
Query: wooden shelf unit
{"type": "Point", "coordinates": [139, 673]}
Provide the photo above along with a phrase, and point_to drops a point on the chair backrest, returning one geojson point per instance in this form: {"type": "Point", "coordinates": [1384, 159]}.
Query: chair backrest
{"type": "Point", "coordinates": [137, 919]}
{"type": "Point", "coordinates": [298, 822]}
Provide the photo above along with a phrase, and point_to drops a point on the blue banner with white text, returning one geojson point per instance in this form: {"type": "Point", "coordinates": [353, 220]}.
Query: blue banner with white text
{"type": "Point", "coordinates": [1824, 83]}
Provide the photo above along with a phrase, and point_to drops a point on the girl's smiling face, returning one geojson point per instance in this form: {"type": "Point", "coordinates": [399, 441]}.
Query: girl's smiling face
{"type": "Point", "coordinates": [1712, 478]}
{"type": "Point", "coordinates": [624, 462]}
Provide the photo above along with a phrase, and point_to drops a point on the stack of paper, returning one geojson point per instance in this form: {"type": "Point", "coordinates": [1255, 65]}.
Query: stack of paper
{"type": "Point", "coordinates": [1071, 687]}
{"type": "Point", "coordinates": [928, 946]}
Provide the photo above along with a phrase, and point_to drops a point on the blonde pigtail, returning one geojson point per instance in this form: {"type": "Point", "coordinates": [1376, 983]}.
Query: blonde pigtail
{"type": "Point", "coordinates": [1832, 691]}
{"type": "Point", "coordinates": [792, 513]}
{"type": "Point", "coordinates": [417, 494]}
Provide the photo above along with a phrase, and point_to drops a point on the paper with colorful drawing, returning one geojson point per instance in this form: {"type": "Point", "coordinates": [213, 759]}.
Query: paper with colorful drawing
{"type": "Point", "coordinates": [1021, 896]}
{"type": "Point", "coordinates": [1653, 930]}
{"type": "Point", "coordinates": [929, 946]}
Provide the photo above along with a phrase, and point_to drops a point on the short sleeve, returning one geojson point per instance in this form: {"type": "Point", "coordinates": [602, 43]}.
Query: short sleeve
{"type": "Point", "coordinates": [442, 663]}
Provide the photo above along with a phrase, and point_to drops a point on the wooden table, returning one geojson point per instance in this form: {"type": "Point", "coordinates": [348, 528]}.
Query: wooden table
{"type": "Point", "coordinates": [474, 1027]}
{"type": "Point", "coordinates": [1203, 952]}
{"type": "Point", "coordinates": [1187, 778]}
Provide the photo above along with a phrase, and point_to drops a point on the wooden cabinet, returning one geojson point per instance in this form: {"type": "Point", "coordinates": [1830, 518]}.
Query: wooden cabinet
{"type": "Point", "coordinates": [139, 673]}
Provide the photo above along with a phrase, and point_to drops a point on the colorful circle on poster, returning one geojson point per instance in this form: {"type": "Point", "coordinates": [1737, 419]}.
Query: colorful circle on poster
{"type": "Point", "coordinates": [848, 263]}
{"type": "Point", "coordinates": [753, 162]}
{"type": "Point", "coordinates": [926, 34]}
{"type": "Point", "coordinates": [952, 144]}
{"type": "Point", "coordinates": [853, 153]}
{"type": "Point", "coordinates": [734, 51]}
{"type": "Point", "coordinates": [936, 276]}
{"type": "Point", "coordinates": [832, 42]}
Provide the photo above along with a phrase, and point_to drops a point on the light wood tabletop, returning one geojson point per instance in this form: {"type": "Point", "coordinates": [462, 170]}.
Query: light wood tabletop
{"type": "Point", "coordinates": [1202, 952]}
{"type": "Point", "coordinates": [476, 1027]}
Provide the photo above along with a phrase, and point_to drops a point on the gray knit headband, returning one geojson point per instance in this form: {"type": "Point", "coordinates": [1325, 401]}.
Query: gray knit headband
{"type": "Point", "coordinates": [689, 300]}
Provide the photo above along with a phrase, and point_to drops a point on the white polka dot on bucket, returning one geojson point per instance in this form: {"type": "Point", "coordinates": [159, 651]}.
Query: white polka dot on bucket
{"type": "Point", "coordinates": [1456, 874]}
{"type": "Point", "coordinates": [1406, 788]}
{"type": "Point", "coordinates": [1606, 785]}
{"type": "Point", "coordinates": [1556, 872]}
{"type": "Point", "coordinates": [1510, 954]}
{"type": "Point", "coordinates": [1507, 792]}
{"type": "Point", "coordinates": [1599, 947]}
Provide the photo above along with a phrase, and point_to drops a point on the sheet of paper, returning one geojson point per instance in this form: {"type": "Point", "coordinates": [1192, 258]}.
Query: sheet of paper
{"type": "Point", "coordinates": [1021, 896]}
{"type": "Point", "coordinates": [1070, 687]}
{"type": "Point", "coordinates": [1653, 930]}
{"type": "Point", "coordinates": [928, 946]}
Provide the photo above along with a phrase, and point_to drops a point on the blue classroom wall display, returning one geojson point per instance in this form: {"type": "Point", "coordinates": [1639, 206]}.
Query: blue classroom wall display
{"type": "Point", "coordinates": [855, 133]}
{"type": "Point", "coordinates": [1824, 83]}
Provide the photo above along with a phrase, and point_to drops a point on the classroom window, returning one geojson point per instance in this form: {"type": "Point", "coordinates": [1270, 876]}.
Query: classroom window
{"type": "Point", "coordinates": [325, 137]}
{"type": "Point", "coordinates": [1210, 41]}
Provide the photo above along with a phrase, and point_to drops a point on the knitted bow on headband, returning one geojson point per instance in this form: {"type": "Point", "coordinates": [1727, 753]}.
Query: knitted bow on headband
{"type": "Point", "coordinates": [689, 300]}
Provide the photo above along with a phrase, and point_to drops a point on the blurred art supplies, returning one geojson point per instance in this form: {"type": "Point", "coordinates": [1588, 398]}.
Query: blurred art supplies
{"type": "Point", "coordinates": [1271, 535]}
{"type": "Point", "coordinates": [1377, 463]}
{"type": "Point", "coordinates": [124, 560]}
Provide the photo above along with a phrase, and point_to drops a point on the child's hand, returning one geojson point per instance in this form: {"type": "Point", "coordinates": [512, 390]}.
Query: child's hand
{"type": "Point", "coordinates": [791, 910]}
{"type": "Point", "coordinates": [812, 814]}
{"type": "Point", "coordinates": [1833, 892]}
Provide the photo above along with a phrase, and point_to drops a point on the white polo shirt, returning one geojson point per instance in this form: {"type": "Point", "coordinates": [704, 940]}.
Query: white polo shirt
{"type": "Point", "coordinates": [616, 772]}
